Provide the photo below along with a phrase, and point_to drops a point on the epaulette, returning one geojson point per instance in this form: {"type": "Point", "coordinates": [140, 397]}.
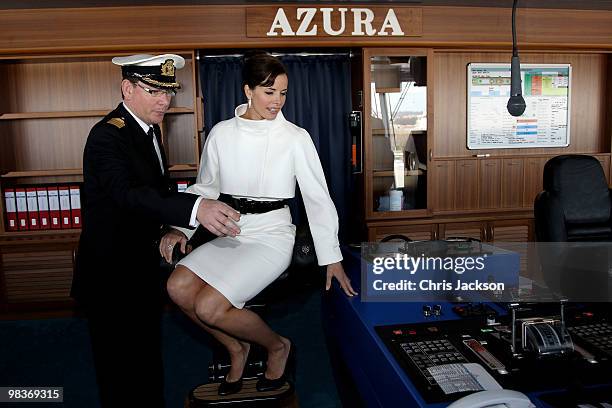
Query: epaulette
{"type": "Point", "coordinates": [118, 122]}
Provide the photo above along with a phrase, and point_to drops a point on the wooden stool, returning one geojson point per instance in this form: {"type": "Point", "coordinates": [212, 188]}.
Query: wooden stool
{"type": "Point", "coordinates": [205, 395]}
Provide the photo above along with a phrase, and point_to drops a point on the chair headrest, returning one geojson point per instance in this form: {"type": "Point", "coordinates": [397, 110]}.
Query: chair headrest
{"type": "Point", "coordinates": [579, 182]}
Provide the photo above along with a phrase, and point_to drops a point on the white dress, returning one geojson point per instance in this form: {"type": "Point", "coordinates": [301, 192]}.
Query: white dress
{"type": "Point", "coordinates": [260, 160]}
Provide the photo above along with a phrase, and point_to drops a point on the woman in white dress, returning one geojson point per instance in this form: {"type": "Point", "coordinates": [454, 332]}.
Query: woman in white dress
{"type": "Point", "coordinates": [257, 156]}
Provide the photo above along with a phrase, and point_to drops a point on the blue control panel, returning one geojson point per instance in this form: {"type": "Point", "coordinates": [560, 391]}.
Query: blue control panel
{"type": "Point", "coordinates": [397, 352]}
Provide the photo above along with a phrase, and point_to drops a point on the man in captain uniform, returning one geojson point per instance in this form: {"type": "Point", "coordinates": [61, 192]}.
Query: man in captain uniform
{"type": "Point", "coordinates": [127, 197]}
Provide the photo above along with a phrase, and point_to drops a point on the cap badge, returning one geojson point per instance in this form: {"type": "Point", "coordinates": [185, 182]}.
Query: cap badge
{"type": "Point", "coordinates": [167, 68]}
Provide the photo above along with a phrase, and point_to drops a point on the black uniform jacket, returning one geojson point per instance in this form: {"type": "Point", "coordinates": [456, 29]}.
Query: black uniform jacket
{"type": "Point", "coordinates": [125, 202]}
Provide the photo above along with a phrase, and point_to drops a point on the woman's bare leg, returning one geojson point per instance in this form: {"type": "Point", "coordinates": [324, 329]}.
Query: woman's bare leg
{"type": "Point", "coordinates": [213, 309]}
{"type": "Point", "coordinates": [183, 287]}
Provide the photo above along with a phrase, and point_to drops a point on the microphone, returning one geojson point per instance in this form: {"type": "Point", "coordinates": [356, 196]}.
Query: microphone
{"type": "Point", "coordinates": [516, 104]}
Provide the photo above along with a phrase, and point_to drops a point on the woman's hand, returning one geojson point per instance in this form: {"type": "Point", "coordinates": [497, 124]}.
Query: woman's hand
{"type": "Point", "coordinates": [168, 241]}
{"type": "Point", "coordinates": [337, 271]}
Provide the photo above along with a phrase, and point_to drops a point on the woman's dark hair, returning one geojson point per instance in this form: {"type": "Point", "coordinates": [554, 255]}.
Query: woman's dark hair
{"type": "Point", "coordinates": [261, 69]}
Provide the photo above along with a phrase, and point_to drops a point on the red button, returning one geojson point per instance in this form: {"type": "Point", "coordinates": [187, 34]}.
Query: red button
{"type": "Point", "coordinates": [397, 332]}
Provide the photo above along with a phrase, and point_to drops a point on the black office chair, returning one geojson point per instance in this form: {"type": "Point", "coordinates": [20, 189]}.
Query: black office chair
{"type": "Point", "coordinates": [573, 217]}
{"type": "Point", "coordinates": [576, 202]}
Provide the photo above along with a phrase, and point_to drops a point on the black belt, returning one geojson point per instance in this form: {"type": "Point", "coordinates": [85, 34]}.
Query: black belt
{"type": "Point", "coordinates": [244, 206]}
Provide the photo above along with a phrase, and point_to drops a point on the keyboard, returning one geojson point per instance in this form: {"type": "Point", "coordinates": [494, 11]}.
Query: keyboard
{"type": "Point", "coordinates": [429, 353]}
{"type": "Point", "coordinates": [596, 335]}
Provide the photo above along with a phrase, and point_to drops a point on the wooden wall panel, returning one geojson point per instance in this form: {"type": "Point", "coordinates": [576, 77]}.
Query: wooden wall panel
{"type": "Point", "coordinates": [588, 102]}
{"type": "Point", "coordinates": [512, 183]}
{"type": "Point", "coordinates": [217, 26]}
{"type": "Point", "coordinates": [7, 148]}
{"type": "Point", "coordinates": [489, 185]}
{"type": "Point", "coordinates": [179, 134]}
{"type": "Point", "coordinates": [605, 164]}
{"type": "Point", "coordinates": [71, 84]}
{"type": "Point", "coordinates": [534, 171]}
{"type": "Point", "coordinates": [424, 232]}
{"type": "Point", "coordinates": [607, 137]}
{"type": "Point", "coordinates": [37, 276]}
{"type": "Point", "coordinates": [466, 184]}
{"type": "Point", "coordinates": [39, 144]}
{"type": "Point", "coordinates": [43, 85]}
{"type": "Point", "coordinates": [443, 182]}
{"type": "Point", "coordinates": [185, 76]}
{"type": "Point", "coordinates": [474, 230]}
{"type": "Point", "coordinates": [513, 232]}
{"type": "Point", "coordinates": [120, 28]}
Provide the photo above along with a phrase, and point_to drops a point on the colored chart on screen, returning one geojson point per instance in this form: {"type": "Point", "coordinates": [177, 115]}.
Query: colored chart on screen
{"type": "Point", "coordinates": [545, 122]}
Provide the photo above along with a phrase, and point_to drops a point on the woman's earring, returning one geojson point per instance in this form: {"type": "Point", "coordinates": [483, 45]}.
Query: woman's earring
{"type": "Point", "coordinates": [249, 104]}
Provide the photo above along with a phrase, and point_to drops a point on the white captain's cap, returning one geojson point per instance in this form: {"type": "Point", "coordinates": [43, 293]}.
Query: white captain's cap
{"type": "Point", "coordinates": [155, 70]}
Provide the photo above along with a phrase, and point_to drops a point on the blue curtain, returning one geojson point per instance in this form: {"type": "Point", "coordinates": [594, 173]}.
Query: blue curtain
{"type": "Point", "coordinates": [318, 99]}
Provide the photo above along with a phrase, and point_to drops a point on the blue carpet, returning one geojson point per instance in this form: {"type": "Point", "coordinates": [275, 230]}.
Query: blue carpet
{"type": "Point", "coordinates": [56, 352]}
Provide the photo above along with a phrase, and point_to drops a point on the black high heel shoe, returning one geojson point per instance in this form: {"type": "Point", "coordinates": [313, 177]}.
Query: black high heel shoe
{"type": "Point", "coordinates": [228, 388]}
{"type": "Point", "coordinates": [266, 384]}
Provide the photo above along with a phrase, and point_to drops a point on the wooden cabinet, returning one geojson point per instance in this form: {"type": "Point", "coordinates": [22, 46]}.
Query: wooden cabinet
{"type": "Point", "coordinates": [520, 230]}
{"type": "Point", "coordinates": [416, 232]}
{"type": "Point", "coordinates": [466, 184]}
{"type": "Point", "coordinates": [484, 229]}
{"type": "Point", "coordinates": [503, 230]}
{"type": "Point", "coordinates": [37, 274]}
{"type": "Point", "coordinates": [473, 229]}
{"type": "Point", "coordinates": [48, 109]}
{"type": "Point", "coordinates": [512, 183]}
{"type": "Point", "coordinates": [443, 185]}
{"type": "Point", "coordinates": [534, 170]}
{"type": "Point", "coordinates": [489, 184]}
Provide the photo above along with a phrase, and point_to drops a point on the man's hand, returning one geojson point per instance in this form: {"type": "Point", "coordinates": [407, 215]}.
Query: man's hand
{"type": "Point", "coordinates": [218, 217]}
{"type": "Point", "coordinates": [168, 241]}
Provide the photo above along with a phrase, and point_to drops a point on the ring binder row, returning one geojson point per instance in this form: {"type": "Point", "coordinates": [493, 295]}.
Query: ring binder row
{"type": "Point", "coordinates": [31, 208]}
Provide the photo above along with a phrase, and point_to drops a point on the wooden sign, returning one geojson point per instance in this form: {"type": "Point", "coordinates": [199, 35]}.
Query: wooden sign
{"type": "Point", "coordinates": [328, 21]}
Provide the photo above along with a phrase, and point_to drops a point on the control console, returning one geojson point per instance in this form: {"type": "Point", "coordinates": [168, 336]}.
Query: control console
{"type": "Point", "coordinates": [526, 348]}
